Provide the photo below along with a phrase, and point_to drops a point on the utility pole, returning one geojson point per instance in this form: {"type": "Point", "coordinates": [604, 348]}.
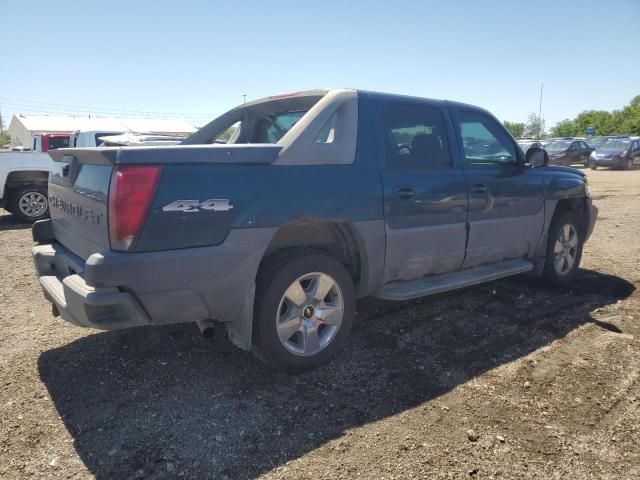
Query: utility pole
{"type": "Point", "coordinates": [540, 113]}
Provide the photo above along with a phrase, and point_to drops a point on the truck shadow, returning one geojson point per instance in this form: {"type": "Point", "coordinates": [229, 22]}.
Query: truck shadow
{"type": "Point", "coordinates": [9, 221]}
{"type": "Point", "coordinates": [162, 401]}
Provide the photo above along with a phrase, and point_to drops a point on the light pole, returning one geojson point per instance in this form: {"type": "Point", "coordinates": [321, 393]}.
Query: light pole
{"type": "Point", "coordinates": [540, 113]}
{"type": "Point", "coordinates": [244, 98]}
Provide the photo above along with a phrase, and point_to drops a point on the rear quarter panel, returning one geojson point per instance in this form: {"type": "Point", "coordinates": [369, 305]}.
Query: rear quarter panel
{"type": "Point", "coordinates": [261, 196]}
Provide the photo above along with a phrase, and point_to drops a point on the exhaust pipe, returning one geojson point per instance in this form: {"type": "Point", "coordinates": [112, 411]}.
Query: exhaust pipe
{"type": "Point", "coordinates": [207, 327]}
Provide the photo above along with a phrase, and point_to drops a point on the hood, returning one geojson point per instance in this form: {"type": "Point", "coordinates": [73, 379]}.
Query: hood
{"type": "Point", "coordinates": [557, 154]}
{"type": "Point", "coordinates": [609, 153]}
{"type": "Point", "coordinates": [574, 171]}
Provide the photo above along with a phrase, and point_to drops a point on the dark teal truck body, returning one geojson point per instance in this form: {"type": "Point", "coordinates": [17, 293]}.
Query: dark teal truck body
{"type": "Point", "coordinates": [398, 189]}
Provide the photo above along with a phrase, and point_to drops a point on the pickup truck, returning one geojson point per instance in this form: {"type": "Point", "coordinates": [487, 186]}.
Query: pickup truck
{"type": "Point", "coordinates": [24, 174]}
{"type": "Point", "coordinates": [316, 199]}
{"type": "Point", "coordinates": [23, 184]}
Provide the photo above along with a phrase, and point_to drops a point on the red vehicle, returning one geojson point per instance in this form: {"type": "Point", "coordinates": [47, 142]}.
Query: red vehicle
{"type": "Point", "coordinates": [44, 142]}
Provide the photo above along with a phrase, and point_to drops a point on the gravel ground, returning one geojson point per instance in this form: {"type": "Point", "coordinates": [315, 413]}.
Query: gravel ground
{"type": "Point", "coordinates": [510, 380]}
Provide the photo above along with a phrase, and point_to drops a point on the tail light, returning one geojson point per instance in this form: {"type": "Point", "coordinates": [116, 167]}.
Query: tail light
{"type": "Point", "coordinates": [130, 195]}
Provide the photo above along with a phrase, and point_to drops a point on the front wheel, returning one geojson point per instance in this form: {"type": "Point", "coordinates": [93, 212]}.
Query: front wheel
{"type": "Point", "coordinates": [629, 164]}
{"type": "Point", "coordinates": [305, 305]}
{"type": "Point", "coordinates": [564, 249]}
{"type": "Point", "coordinates": [29, 203]}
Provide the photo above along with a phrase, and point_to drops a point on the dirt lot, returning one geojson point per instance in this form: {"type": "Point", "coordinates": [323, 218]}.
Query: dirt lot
{"type": "Point", "coordinates": [508, 380]}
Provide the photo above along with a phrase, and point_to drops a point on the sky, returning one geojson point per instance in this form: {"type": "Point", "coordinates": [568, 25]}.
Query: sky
{"type": "Point", "coordinates": [196, 59]}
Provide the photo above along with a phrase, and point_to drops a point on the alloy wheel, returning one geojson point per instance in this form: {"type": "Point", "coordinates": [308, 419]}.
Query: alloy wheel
{"type": "Point", "coordinates": [310, 314]}
{"type": "Point", "coordinates": [33, 204]}
{"type": "Point", "coordinates": [565, 250]}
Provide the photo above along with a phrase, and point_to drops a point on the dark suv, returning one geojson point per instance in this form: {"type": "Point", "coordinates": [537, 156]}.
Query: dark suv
{"type": "Point", "coordinates": [568, 152]}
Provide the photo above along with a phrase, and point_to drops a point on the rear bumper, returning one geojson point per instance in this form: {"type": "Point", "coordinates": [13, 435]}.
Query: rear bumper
{"type": "Point", "coordinates": [114, 290]}
{"type": "Point", "coordinates": [76, 301]}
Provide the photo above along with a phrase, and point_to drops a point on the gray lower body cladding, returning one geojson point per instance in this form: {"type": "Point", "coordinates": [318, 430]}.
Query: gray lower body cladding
{"type": "Point", "coordinates": [121, 290]}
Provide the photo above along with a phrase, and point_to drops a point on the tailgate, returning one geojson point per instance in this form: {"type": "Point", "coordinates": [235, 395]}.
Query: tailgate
{"type": "Point", "coordinates": [80, 178]}
{"type": "Point", "coordinates": [78, 194]}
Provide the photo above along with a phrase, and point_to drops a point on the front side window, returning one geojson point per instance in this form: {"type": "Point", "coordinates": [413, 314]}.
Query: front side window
{"type": "Point", "coordinates": [484, 141]}
{"type": "Point", "coordinates": [415, 138]}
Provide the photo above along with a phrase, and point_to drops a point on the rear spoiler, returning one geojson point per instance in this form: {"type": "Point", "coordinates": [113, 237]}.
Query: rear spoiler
{"type": "Point", "coordinates": [257, 153]}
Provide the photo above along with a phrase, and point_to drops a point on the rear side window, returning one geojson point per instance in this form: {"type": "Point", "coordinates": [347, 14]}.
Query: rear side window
{"type": "Point", "coordinates": [484, 141]}
{"type": "Point", "coordinates": [415, 138]}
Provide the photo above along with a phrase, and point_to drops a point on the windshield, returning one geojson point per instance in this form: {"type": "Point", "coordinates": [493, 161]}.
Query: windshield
{"type": "Point", "coordinates": [615, 145]}
{"type": "Point", "coordinates": [597, 141]}
{"type": "Point", "coordinates": [558, 146]}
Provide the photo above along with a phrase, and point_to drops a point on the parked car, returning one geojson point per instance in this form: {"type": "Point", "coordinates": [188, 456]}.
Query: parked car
{"type": "Point", "coordinates": [526, 143]}
{"type": "Point", "coordinates": [555, 139]}
{"type": "Point", "coordinates": [616, 153]}
{"type": "Point", "coordinates": [318, 197]}
{"type": "Point", "coordinates": [595, 142]}
{"type": "Point", "coordinates": [568, 152]}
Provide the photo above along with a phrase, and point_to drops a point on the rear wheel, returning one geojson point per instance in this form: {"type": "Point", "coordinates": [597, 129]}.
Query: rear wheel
{"type": "Point", "coordinates": [593, 166]}
{"type": "Point", "coordinates": [305, 304]}
{"type": "Point", "coordinates": [564, 249]}
{"type": "Point", "coordinates": [29, 203]}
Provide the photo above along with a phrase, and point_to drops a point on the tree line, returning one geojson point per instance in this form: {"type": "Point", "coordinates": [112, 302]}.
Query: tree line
{"type": "Point", "coordinates": [617, 122]}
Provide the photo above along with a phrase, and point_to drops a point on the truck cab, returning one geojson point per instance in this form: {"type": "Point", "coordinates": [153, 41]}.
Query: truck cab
{"type": "Point", "coordinates": [90, 138]}
{"type": "Point", "coordinates": [43, 142]}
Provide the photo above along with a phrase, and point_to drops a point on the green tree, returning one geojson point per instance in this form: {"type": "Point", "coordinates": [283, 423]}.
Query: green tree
{"type": "Point", "coordinates": [5, 138]}
{"type": "Point", "coordinates": [565, 128]}
{"type": "Point", "coordinates": [534, 127]}
{"type": "Point", "coordinates": [515, 128]}
{"type": "Point", "coordinates": [622, 122]}
{"type": "Point", "coordinates": [630, 121]}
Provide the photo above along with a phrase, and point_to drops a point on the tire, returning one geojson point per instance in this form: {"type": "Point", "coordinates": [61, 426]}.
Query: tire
{"type": "Point", "coordinates": [285, 300]}
{"type": "Point", "coordinates": [593, 166]}
{"type": "Point", "coordinates": [563, 256]}
{"type": "Point", "coordinates": [29, 203]}
{"type": "Point", "coordinates": [629, 164]}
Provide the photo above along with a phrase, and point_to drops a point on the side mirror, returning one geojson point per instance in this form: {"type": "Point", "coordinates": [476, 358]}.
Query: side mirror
{"type": "Point", "coordinates": [537, 157]}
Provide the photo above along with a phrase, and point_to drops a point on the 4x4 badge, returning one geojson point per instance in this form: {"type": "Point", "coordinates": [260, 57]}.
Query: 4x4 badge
{"type": "Point", "coordinates": [188, 206]}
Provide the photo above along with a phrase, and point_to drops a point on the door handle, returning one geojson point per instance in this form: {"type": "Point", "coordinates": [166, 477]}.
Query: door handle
{"type": "Point", "coordinates": [480, 189]}
{"type": "Point", "coordinates": [403, 193]}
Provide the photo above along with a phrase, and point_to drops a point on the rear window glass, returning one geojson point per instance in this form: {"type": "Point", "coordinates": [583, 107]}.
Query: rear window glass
{"type": "Point", "coordinates": [271, 128]}
{"type": "Point", "coordinates": [58, 142]}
